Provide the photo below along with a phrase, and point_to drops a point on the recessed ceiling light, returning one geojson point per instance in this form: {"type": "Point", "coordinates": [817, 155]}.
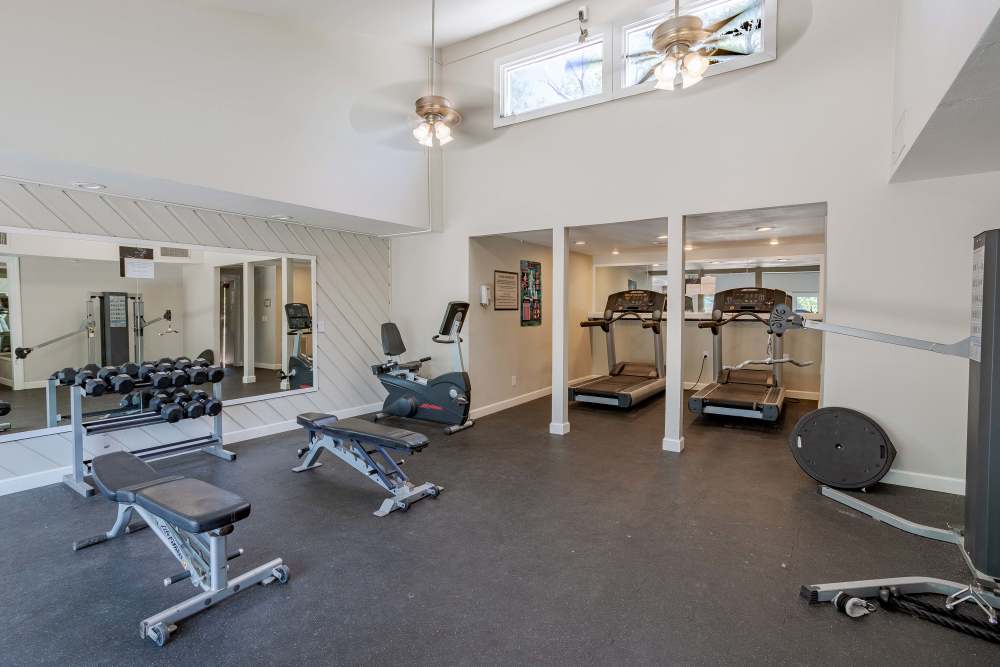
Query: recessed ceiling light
{"type": "Point", "coordinates": [781, 260]}
{"type": "Point", "coordinates": [614, 252]}
{"type": "Point", "coordinates": [715, 261]}
{"type": "Point", "coordinates": [282, 218]}
{"type": "Point", "coordinates": [656, 264]}
{"type": "Point", "coordinates": [766, 228]}
{"type": "Point", "coordinates": [87, 185]}
{"type": "Point", "coordinates": [689, 247]}
{"type": "Point", "coordinates": [662, 236]}
{"type": "Point", "coordinates": [774, 241]}
{"type": "Point", "coordinates": [581, 243]}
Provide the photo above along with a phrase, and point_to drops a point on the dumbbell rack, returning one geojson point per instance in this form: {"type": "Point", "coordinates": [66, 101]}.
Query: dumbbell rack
{"type": "Point", "coordinates": [212, 443]}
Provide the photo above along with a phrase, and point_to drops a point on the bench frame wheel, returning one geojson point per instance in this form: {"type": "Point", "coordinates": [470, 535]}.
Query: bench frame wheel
{"type": "Point", "coordinates": [159, 634]}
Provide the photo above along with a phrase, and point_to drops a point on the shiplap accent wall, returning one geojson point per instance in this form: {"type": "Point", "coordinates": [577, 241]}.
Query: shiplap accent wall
{"type": "Point", "coordinates": [352, 298]}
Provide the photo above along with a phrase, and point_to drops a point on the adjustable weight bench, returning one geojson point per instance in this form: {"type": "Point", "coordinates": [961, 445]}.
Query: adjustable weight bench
{"type": "Point", "coordinates": [364, 446]}
{"type": "Point", "coordinates": [192, 518]}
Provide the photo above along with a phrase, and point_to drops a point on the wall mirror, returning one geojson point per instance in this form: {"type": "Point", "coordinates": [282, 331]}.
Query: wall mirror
{"type": "Point", "coordinates": [68, 301]}
{"type": "Point", "coordinates": [781, 248]}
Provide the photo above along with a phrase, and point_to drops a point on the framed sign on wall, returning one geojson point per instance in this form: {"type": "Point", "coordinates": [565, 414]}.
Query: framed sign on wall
{"type": "Point", "coordinates": [504, 290]}
{"type": "Point", "coordinates": [531, 293]}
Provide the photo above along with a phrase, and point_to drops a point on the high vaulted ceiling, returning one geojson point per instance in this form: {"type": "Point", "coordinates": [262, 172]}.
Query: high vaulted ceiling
{"type": "Point", "coordinates": [398, 20]}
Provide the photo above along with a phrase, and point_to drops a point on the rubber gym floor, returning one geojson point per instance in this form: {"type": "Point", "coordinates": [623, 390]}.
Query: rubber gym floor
{"type": "Point", "coordinates": [593, 548]}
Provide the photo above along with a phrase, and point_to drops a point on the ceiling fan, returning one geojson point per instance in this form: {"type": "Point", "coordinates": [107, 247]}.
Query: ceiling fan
{"type": "Point", "coordinates": [436, 112]}
{"type": "Point", "coordinates": [685, 46]}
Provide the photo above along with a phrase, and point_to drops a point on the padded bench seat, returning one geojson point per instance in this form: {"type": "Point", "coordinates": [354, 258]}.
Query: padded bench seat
{"type": "Point", "coordinates": [190, 504]}
{"type": "Point", "coordinates": [363, 431]}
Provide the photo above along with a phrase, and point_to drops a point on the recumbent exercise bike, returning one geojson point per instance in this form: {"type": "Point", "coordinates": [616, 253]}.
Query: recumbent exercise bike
{"type": "Point", "coordinates": [444, 399]}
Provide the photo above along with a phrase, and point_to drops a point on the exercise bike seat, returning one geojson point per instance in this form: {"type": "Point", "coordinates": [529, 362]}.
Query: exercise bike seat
{"type": "Point", "coordinates": [190, 504]}
{"type": "Point", "coordinates": [392, 340]}
{"type": "Point", "coordinates": [364, 432]}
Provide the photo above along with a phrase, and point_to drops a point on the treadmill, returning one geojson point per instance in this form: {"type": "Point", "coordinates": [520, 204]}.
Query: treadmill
{"type": "Point", "coordinates": [738, 391]}
{"type": "Point", "coordinates": [627, 382]}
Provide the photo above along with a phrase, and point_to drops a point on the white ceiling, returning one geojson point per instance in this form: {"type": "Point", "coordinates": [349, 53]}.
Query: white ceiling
{"type": "Point", "coordinates": [961, 137]}
{"type": "Point", "coordinates": [603, 239]}
{"type": "Point", "coordinates": [406, 20]}
{"type": "Point", "coordinates": [703, 231]}
{"type": "Point", "coordinates": [729, 226]}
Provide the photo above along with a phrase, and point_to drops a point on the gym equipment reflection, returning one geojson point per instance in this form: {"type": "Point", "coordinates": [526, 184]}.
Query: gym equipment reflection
{"type": "Point", "coordinates": [68, 303]}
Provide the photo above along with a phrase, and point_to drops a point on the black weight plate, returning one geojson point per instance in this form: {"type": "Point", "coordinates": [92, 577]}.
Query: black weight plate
{"type": "Point", "coordinates": [842, 448]}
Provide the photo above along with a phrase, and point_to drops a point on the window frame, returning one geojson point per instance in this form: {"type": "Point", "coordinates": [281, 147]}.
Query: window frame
{"type": "Point", "coordinates": [613, 76]}
{"type": "Point", "coordinates": [538, 53]}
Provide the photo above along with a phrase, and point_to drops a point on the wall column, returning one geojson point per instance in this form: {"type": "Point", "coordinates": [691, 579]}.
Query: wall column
{"type": "Point", "coordinates": [560, 332]}
{"type": "Point", "coordinates": [248, 323]}
{"type": "Point", "coordinates": [673, 438]}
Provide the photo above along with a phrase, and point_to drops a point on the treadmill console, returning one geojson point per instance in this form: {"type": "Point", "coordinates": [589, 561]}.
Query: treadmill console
{"type": "Point", "coordinates": [635, 301]}
{"type": "Point", "coordinates": [750, 300]}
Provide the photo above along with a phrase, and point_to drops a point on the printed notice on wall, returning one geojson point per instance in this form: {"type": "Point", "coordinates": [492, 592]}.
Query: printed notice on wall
{"type": "Point", "coordinates": [505, 290]}
{"type": "Point", "coordinates": [978, 268]}
{"type": "Point", "coordinates": [139, 268]}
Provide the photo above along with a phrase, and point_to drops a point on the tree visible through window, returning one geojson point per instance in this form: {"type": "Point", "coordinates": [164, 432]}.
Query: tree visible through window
{"type": "Point", "coordinates": [807, 304]}
{"type": "Point", "coordinates": [568, 74]}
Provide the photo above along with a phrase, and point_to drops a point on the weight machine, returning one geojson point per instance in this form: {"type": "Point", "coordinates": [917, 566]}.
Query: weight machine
{"type": "Point", "coordinates": [979, 540]}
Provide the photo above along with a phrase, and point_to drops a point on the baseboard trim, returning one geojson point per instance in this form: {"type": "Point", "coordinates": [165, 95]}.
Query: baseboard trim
{"type": "Point", "coordinates": [559, 428]}
{"type": "Point", "coordinates": [33, 480]}
{"type": "Point", "coordinates": [920, 480]}
{"type": "Point", "coordinates": [508, 403]}
{"type": "Point", "coordinates": [270, 367]}
{"type": "Point", "coordinates": [35, 384]}
{"type": "Point", "coordinates": [673, 444]}
{"type": "Point", "coordinates": [55, 475]}
{"type": "Point", "coordinates": [249, 379]}
{"type": "Point", "coordinates": [803, 395]}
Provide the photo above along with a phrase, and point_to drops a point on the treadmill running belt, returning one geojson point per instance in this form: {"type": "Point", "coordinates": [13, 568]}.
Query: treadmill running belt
{"type": "Point", "coordinates": [736, 393]}
{"type": "Point", "coordinates": [611, 384]}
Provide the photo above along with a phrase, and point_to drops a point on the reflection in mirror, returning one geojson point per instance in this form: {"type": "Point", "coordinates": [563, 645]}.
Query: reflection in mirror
{"type": "Point", "coordinates": [66, 303]}
{"type": "Point", "coordinates": [769, 256]}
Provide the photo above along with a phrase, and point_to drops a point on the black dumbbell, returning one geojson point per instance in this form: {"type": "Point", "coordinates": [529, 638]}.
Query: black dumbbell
{"type": "Point", "coordinates": [192, 408]}
{"type": "Point", "coordinates": [129, 369]}
{"type": "Point", "coordinates": [178, 378]}
{"type": "Point", "coordinates": [166, 360]}
{"type": "Point", "coordinates": [182, 363]}
{"type": "Point", "coordinates": [215, 373]}
{"type": "Point", "coordinates": [197, 374]}
{"type": "Point", "coordinates": [120, 383]}
{"type": "Point", "coordinates": [93, 368]}
{"type": "Point", "coordinates": [163, 404]}
{"type": "Point", "coordinates": [91, 385]}
{"type": "Point", "coordinates": [213, 406]}
{"type": "Point", "coordinates": [66, 375]}
{"type": "Point", "coordinates": [164, 368]}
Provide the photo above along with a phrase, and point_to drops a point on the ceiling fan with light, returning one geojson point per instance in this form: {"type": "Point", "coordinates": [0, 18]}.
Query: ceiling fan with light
{"type": "Point", "coordinates": [437, 114]}
{"type": "Point", "coordinates": [685, 46]}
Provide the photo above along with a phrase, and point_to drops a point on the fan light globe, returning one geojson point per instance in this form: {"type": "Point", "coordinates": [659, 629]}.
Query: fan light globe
{"type": "Point", "coordinates": [422, 132]}
{"type": "Point", "coordinates": [695, 64]}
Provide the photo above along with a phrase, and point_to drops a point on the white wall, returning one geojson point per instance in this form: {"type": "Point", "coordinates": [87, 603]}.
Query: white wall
{"type": "Point", "coordinates": [807, 127]}
{"type": "Point", "coordinates": [500, 349]}
{"type": "Point", "coordinates": [227, 100]}
{"type": "Point", "coordinates": [199, 316]}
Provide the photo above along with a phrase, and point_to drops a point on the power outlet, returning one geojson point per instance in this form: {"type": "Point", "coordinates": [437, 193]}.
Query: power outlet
{"type": "Point", "coordinates": [513, 380]}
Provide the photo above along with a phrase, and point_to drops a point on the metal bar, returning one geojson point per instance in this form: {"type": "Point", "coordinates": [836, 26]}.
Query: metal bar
{"type": "Point", "coordinates": [888, 518]}
{"type": "Point", "coordinates": [957, 349]}
{"type": "Point", "coordinates": [777, 351]}
{"type": "Point", "coordinates": [870, 588]}
{"type": "Point", "coordinates": [172, 615]}
{"type": "Point", "coordinates": [51, 403]}
{"type": "Point", "coordinates": [75, 480]}
{"type": "Point", "coordinates": [217, 561]}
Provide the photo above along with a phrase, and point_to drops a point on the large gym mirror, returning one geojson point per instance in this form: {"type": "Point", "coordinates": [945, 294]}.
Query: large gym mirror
{"type": "Point", "coordinates": [737, 265]}
{"type": "Point", "coordinates": [66, 302]}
